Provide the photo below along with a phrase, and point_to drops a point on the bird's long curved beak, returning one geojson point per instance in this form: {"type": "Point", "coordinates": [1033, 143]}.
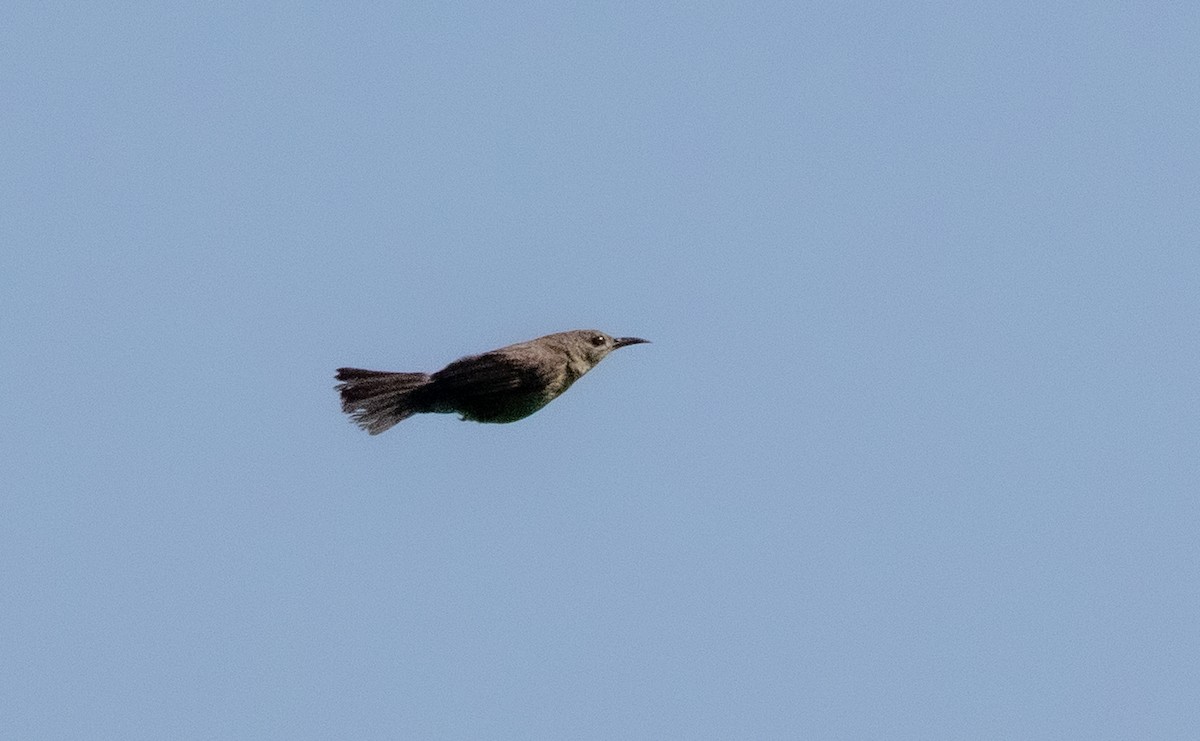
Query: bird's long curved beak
{"type": "Point", "coordinates": [623, 341]}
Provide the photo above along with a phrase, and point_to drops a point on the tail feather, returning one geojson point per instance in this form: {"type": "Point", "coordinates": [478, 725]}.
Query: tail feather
{"type": "Point", "coordinates": [377, 400]}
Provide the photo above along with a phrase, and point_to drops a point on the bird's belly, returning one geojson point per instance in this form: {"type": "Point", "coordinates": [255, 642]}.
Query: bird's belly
{"type": "Point", "coordinates": [510, 409]}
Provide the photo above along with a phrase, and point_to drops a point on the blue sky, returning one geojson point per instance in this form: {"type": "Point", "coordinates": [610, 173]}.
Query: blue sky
{"type": "Point", "coordinates": [913, 454]}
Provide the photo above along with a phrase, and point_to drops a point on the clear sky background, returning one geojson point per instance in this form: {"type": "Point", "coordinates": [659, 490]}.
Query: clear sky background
{"type": "Point", "coordinates": [915, 452]}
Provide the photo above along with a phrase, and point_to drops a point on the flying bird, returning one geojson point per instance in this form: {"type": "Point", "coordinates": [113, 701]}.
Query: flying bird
{"type": "Point", "coordinates": [502, 385]}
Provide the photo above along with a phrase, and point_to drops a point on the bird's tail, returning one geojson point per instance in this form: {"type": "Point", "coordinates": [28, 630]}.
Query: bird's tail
{"type": "Point", "coordinates": [376, 400]}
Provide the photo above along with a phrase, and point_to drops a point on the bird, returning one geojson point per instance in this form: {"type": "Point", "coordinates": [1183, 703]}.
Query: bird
{"type": "Point", "coordinates": [498, 386]}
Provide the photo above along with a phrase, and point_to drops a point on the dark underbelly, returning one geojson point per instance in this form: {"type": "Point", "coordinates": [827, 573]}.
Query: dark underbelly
{"type": "Point", "coordinates": [510, 409]}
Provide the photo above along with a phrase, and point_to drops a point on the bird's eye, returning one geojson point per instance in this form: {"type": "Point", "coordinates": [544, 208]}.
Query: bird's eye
{"type": "Point", "coordinates": [597, 340]}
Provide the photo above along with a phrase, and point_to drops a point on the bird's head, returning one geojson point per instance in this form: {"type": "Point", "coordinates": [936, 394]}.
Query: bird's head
{"type": "Point", "coordinates": [592, 345]}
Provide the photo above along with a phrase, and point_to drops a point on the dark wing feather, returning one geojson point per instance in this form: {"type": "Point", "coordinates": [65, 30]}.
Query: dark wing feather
{"type": "Point", "coordinates": [492, 387]}
{"type": "Point", "coordinates": [478, 378]}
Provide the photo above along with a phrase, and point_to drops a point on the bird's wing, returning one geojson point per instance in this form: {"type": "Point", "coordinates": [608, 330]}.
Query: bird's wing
{"type": "Point", "coordinates": [488, 375]}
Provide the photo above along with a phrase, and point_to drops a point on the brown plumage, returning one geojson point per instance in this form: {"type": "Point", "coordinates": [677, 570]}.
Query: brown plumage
{"type": "Point", "coordinates": [502, 385]}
